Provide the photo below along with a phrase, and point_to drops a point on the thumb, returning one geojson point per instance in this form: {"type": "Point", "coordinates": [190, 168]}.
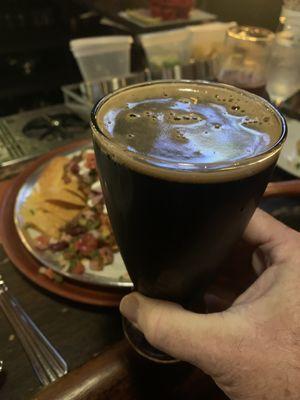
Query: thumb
{"type": "Point", "coordinates": [209, 341]}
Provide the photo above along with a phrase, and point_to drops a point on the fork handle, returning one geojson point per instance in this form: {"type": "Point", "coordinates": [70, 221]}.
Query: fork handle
{"type": "Point", "coordinates": [45, 360]}
{"type": "Point", "coordinates": [20, 331]}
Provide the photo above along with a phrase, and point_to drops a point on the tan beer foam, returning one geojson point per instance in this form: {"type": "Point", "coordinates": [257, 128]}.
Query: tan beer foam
{"type": "Point", "coordinates": [237, 103]}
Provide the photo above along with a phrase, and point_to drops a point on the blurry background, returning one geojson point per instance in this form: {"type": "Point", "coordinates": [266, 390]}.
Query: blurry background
{"type": "Point", "coordinates": [35, 60]}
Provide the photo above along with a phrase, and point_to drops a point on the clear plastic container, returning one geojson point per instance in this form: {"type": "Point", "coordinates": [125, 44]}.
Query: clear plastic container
{"type": "Point", "coordinates": [206, 40]}
{"type": "Point", "coordinates": [102, 57]}
{"type": "Point", "coordinates": [167, 48]}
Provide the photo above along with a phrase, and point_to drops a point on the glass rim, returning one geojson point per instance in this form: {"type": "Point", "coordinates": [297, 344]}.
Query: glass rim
{"type": "Point", "coordinates": [248, 33]}
{"type": "Point", "coordinates": [196, 168]}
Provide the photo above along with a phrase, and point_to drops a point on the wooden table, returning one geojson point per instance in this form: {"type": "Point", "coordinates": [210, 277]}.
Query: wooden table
{"type": "Point", "coordinates": [81, 332]}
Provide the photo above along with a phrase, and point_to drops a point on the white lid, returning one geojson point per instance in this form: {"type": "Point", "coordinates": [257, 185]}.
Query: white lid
{"type": "Point", "coordinates": [98, 44]}
{"type": "Point", "coordinates": [149, 39]}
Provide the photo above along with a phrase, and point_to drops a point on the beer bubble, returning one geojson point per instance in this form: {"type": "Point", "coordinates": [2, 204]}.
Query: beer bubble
{"type": "Point", "coordinates": [186, 117]}
{"type": "Point", "coordinates": [235, 107]}
{"type": "Point", "coordinates": [266, 119]}
{"type": "Point", "coordinates": [133, 115]}
{"type": "Point", "coordinates": [217, 126]}
{"type": "Point", "coordinates": [165, 94]}
{"type": "Point", "coordinates": [179, 137]}
{"type": "Point", "coordinates": [130, 135]}
{"type": "Point", "coordinates": [230, 100]}
{"type": "Point", "coordinates": [177, 118]}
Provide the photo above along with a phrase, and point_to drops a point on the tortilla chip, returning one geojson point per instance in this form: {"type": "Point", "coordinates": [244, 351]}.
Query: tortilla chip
{"type": "Point", "coordinates": [60, 209]}
{"type": "Point", "coordinates": [53, 202]}
{"type": "Point", "coordinates": [51, 185]}
{"type": "Point", "coordinates": [46, 217]}
{"type": "Point", "coordinates": [42, 221]}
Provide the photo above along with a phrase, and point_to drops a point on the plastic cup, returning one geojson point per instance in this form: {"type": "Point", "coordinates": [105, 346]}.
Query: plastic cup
{"type": "Point", "coordinates": [206, 40]}
{"type": "Point", "coordinates": [102, 57]}
{"type": "Point", "coordinates": [166, 49]}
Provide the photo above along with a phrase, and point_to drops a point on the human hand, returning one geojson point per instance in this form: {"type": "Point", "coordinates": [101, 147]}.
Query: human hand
{"type": "Point", "coordinates": [251, 350]}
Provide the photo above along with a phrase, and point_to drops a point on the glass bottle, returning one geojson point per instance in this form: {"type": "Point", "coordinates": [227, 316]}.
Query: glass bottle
{"type": "Point", "coordinates": [284, 63]}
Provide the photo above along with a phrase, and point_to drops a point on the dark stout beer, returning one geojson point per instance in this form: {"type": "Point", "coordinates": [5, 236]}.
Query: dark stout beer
{"type": "Point", "coordinates": [183, 166]}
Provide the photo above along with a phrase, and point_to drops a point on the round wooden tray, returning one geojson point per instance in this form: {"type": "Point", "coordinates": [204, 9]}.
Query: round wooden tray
{"type": "Point", "coordinates": [27, 264]}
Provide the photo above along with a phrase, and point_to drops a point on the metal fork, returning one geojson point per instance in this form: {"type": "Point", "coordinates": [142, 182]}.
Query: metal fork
{"type": "Point", "coordinates": [47, 363]}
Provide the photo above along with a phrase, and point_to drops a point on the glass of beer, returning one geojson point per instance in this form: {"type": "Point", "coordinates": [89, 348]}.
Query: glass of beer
{"type": "Point", "coordinates": [244, 61]}
{"type": "Point", "coordinates": [183, 165]}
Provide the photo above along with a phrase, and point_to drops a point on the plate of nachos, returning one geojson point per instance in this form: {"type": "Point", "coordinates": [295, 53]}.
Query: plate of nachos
{"type": "Point", "coordinates": [62, 220]}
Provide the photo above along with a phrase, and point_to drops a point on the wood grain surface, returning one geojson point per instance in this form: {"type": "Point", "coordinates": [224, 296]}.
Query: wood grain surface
{"type": "Point", "coordinates": [120, 374]}
{"type": "Point", "coordinates": [80, 332]}
{"type": "Point", "coordinates": [289, 188]}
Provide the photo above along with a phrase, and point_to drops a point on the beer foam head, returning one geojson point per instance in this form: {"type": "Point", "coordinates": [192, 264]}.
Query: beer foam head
{"type": "Point", "coordinates": [187, 128]}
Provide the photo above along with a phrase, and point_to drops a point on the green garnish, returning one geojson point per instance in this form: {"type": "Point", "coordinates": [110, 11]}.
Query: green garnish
{"type": "Point", "coordinates": [92, 224]}
{"type": "Point", "coordinates": [73, 264]}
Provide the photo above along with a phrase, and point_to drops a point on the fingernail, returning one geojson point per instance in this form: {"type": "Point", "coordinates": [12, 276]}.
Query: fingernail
{"type": "Point", "coordinates": [129, 307]}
